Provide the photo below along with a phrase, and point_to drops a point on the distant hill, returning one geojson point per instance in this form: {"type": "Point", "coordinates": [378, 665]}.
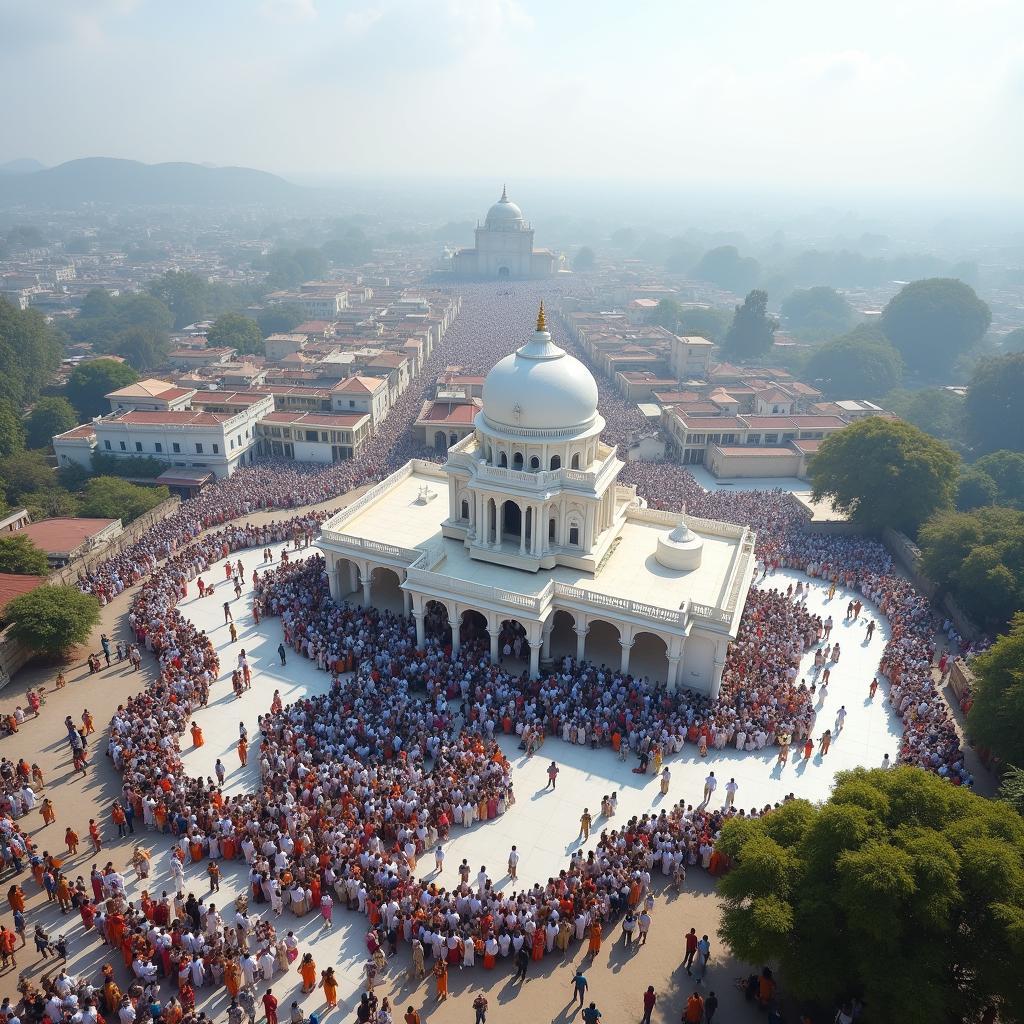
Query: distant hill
{"type": "Point", "coordinates": [24, 165]}
{"type": "Point", "coordinates": [128, 182]}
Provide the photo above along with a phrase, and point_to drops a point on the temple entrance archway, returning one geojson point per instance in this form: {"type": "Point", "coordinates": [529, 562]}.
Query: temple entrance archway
{"type": "Point", "coordinates": [602, 646]}
{"type": "Point", "coordinates": [563, 636]}
{"type": "Point", "coordinates": [386, 590]}
{"type": "Point", "coordinates": [503, 273]}
{"type": "Point", "coordinates": [435, 622]}
{"type": "Point", "coordinates": [473, 629]}
{"type": "Point", "coordinates": [440, 441]}
{"type": "Point", "coordinates": [649, 657]}
{"type": "Point", "coordinates": [512, 638]}
{"type": "Point", "coordinates": [346, 582]}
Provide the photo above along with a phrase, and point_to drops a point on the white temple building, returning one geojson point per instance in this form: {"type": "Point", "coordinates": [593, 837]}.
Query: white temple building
{"type": "Point", "coordinates": [504, 248]}
{"type": "Point", "coordinates": [525, 528]}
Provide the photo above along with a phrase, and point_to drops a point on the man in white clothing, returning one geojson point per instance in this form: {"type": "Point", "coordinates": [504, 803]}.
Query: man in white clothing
{"type": "Point", "coordinates": [730, 792]}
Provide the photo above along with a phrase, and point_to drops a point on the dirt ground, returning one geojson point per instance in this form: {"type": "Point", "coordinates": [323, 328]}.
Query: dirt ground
{"type": "Point", "coordinates": [617, 976]}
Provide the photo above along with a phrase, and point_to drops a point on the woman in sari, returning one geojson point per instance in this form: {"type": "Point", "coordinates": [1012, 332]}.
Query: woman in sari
{"type": "Point", "coordinates": [232, 976]}
{"type": "Point", "coordinates": [595, 938]}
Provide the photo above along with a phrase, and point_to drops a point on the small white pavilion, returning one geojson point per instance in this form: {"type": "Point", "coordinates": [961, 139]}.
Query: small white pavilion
{"type": "Point", "coordinates": [526, 523]}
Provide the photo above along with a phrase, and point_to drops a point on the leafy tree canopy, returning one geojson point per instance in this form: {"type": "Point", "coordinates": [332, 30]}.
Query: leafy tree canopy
{"type": "Point", "coordinates": [232, 330]}
{"type": "Point", "coordinates": [53, 620]}
{"type": "Point", "coordinates": [974, 489]}
{"type": "Point", "coordinates": [49, 416]}
{"type": "Point", "coordinates": [901, 889]}
{"type": "Point", "coordinates": [48, 502]}
{"type": "Point", "coordinates": [979, 557]}
{"type": "Point", "coordinates": [185, 294]}
{"type": "Point", "coordinates": [820, 310]}
{"type": "Point", "coordinates": [142, 347]}
{"type": "Point", "coordinates": [726, 268]}
{"type": "Point", "coordinates": [996, 714]}
{"type": "Point", "coordinates": [350, 249]}
{"type": "Point", "coordinates": [279, 319]}
{"type": "Point", "coordinates": [1007, 470]}
{"type": "Point", "coordinates": [287, 268]}
{"type": "Point", "coordinates": [91, 381]}
{"type": "Point", "coordinates": [30, 352]}
{"type": "Point", "coordinates": [102, 318]}
{"type": "Point", "coordinates": [692, 321]}
{"type": "Point", "coordinates": [25, 471]}
{"type": "Point", "coordinates": [12, 433]}
{"type": "Point", "coordinates": [934, 410]}
{"type": "Point", "coordinates": [861, 364]}
{"type": "Point", "coordinates": [752, 331]}
{"type": "Point", "coordinates": [132, 467]}
{"type": "Point", "coordinates": [20, 556]}
{"type": "Point", "coordinates": [885, 472]}
{"type": "Point", "coordinates": [109, 497]}
{"type": "Point", "coordinates": [995, 404]}
{"type": "Point", "coordinates": [1011, 788]}
{"type": "Point", "coordinates": [584, 260]}
{"type": "Point", "coordinates": [933, 321]}
{"type": "Point", "coordinates": [1014, 341]}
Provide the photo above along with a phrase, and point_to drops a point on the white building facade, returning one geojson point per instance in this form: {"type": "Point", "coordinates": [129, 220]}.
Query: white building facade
{"type": "Point", "coordinates": [504, 248]}
{"type": "Point", "coordinates": [526, 524]}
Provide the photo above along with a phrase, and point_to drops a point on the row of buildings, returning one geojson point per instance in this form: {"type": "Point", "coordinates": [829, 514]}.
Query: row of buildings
{"type": "Point", "coordinates": [735, 421]}
{"type": "Point", "coordinates": [318, 395]}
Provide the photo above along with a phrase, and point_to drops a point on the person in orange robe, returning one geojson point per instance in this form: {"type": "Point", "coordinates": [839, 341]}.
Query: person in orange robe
{"type": "Point", "coordinates": [232, 977]}
{"type": "Point", "coordinates": [243, 752]}
{"type": "Point", "coordinates": [197, 735]}
{"type": "Point", "coordinates": [595, 938]}
{"type": "Point", "coordinates": [538, 943]}
{"type": "Point", "coordinates": [307, 971]}
{"type": "Point", "coordinates": [329, 983]}
{"type": "Point", "coordinates": [441, 977]}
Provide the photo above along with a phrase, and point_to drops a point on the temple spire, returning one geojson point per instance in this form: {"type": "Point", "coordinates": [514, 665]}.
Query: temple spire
{"type": "Point", "coordinates": [542, 324]}
{"type": "Point", "coordinates": [504, 195]}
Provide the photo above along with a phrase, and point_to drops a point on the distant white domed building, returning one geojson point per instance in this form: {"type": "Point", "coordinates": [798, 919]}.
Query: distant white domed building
{"type": "Point", "coordinates": [504, 248]}
{"type": "Point", "coordinates": [537, 545]}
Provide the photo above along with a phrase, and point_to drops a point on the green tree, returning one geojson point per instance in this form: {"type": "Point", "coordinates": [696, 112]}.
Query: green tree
{"type": "Point", "coordinates": [933, 321]}
{"type": "Point", "coordinates": [1011, 788]}
{"type": "Point", "coordinates": [109, 497]}
{"type": "Point", "coordinates": [975, 489]}
{"type": "Point", "coordinates": [884, 472]}
{"type": "Point", "coordinates": [232, 330]}
{"type": "Point", "coordinates": [97, 304]}
{"type": "Point", "coordinates": [185, 294]}
{"type": "Point", "coordinates": [12, 433]}
{"type": "Point", "coordinates": [142, 347]}
{"type": "Point", "coordinates": [979, 557]}
{"type": "Point", "coordinates": [351, 249]}
{"type": "Point", "coordinates": [934, 410]}
{"type": "Point", "coordinates": [1007, 469]}
{"type": "Point", "coordinates": [20, 556]}
{"type": "Point", "coordinates": [25, 471]}
{"type": "Point", "coordinates": [30, 354]}
{"type": "Point", "coordinates": [861, 364]}
{"type": "Point", "coordinates": [53, 620]}
{"type": "Point", "coordinates": [279, 319]}
{"type": "Point", "coordinates": [1014, 341]}
{"type": "Point", "coordinates": [995, 404]}
{"type": "Point", "coordinates": [133, 467]}
{"type": "Point", "coordinates": [820, 311]}
{"type": "Point", "coordinates": [91, 381]}
{"type": "Point", "coordinates": [998, 708]}
{"type": "Point", "coordinates": [725, 267]}
{"type": "Point", "coordinates": [49, 416]}
{"type": "Point", "coordinates": [584, 260]}
{"type": "Point", "coordinates": [692, 321]}
{"type": "Point", "coordinates": [48, 502]}
{"type": "Point", "coordinates": [752, 332]}
{"type": "Point", "coordinates": [900, 889]}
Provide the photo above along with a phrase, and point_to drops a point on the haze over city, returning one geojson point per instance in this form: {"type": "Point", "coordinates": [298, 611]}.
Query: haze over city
{"type": "Point", "coordinates": [512, 508]}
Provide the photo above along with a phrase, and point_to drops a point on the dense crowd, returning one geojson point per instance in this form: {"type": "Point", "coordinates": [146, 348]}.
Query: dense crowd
{"type": "Point", "coordinates": [359, 783]}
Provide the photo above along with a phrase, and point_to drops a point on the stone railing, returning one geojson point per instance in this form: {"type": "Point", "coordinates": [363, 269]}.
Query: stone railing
{"type": "Point", "coordinates": [600, 602]}
{"type": "Point", "coordinates": [372, 547]}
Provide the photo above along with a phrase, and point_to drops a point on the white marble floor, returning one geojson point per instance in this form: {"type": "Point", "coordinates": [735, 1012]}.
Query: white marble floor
{"type": "Point", "coordinates": [544, 825]}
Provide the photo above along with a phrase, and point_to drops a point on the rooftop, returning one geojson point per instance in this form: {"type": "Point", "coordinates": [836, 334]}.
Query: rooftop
{"type": "Point", "coordinates": [56, 536]}
{"type": "Point", "coordinates": [13, 585]}
{"type": "Point", "coordinates": [631, 571]}
{"type": "Point", "coordinates": [317, 419]}
{"type": "Point", "coordinates": [149, 388]}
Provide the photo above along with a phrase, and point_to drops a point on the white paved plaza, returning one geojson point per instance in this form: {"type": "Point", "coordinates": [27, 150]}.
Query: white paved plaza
{"type": "Point", "coordinates": [544, 825]}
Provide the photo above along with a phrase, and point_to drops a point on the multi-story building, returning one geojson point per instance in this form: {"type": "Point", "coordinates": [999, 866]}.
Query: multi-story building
{"type": "Point", "coordinates": [362, 394]}
{"type": "Point", "coordinates": [313, 436]}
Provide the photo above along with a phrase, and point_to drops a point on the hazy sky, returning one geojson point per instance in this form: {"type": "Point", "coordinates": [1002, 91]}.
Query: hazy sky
{"type": "Point", "coordinates": [877, 94]}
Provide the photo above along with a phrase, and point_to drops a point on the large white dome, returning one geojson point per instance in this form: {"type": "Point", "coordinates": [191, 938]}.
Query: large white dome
{"type": "Point", "coordinates": [504, 215]}
{"type": "Point", "coordinates": [540, 386]}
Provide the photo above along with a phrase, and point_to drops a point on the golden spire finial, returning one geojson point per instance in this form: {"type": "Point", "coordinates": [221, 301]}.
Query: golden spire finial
{"type": "Point", "coordinates": [504, 194]}
{"type": "Point", "coordinates": [542, 324]}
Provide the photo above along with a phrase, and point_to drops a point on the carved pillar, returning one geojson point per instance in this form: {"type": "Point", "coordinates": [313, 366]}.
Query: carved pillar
{"type": "Point", "coordinates": [494, 632]}
{"type": "Point", "coordinates": [721, 650]}
{"type": "Point", "coordinates": [367, 582]}
{"type": "Point", "coordinates": [535, 647]}
{"type": "Point", "coordinates": [421, 634]}
{"type": "Point", "coordinates": [581, 640]}
{"type": "Point", "coordinates": [522, 530]}
{"type": "Point", "coordinates": [673, 673]}
{"type": "Point", "coordinates": [627, 646]}
{"type": "Point", "coordinates": [353, 578]}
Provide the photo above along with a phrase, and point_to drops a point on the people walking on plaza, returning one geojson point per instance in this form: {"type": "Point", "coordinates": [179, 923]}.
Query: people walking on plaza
{"type": "Point", "coordinates": [282, 653]}
{"type": "Point", "coordinates": [441, 979]}
{"type": "Point", "coordinates": [666, 778]}
{"type": "Point", "coordinates": [649, 1000]}
{"type": "Point", "coordinates": [480, 1009]}
{"type": "Point", "coordinates": [643, 923]}
{"type": "Point", "coordinates": [585, 822]}
{"type": "Point", "coordinates": [522, 961]}
{"type": "Point", "coordinates": [825, 742]}
{"type": "Point", "coordinates": [710, 1007]}
{"type": "Point", "coordinates": [513, 863]}
{"type": "Point", "coordinates": [552, 775]}
{"type": "Point", "coordinates": [591, 1015]}
{"type": "Point", "coordinates": [840, 719]}
{"type": "Point", "coordinates": [873, 688]}
{"type": "Point", "coordinates": [694, 1012]}
{"type": "Point", "coordinates": [228, 617]}
{"type": "Point", "coordinates": [628, 927]}
{"type": "Point", "coordinates": [730, 792]}
{"type": "Point", "coordinates": [691, 949]}
{"type": "Point", "coordinates": [579, 986]}
{"type": "Point", "coordinates": [710, 785]}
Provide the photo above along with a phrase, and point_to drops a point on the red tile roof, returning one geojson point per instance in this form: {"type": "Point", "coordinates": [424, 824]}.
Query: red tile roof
{"type": "Point", "coordinates": [184, 417]}
{"type": "Point", "coordinates": [455, 413]}
{"type": "Point", "coordinates": [62, 535]}
{"type": "Point", "coordinates": [12, 586]}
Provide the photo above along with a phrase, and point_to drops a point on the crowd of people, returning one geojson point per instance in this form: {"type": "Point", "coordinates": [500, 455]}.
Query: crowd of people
{"type": "Point", "coordinates": [358, 784]}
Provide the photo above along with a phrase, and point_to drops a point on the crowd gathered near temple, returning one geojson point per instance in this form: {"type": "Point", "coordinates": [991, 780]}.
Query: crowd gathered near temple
{"type": "Point", "coordinates": [357, 785]}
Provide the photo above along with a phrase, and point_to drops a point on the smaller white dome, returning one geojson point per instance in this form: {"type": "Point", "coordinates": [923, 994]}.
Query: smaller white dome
{"type": "Point", "coordinates": [504, 215]}
{"type": "Point", "coordinates": [681, 549]}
